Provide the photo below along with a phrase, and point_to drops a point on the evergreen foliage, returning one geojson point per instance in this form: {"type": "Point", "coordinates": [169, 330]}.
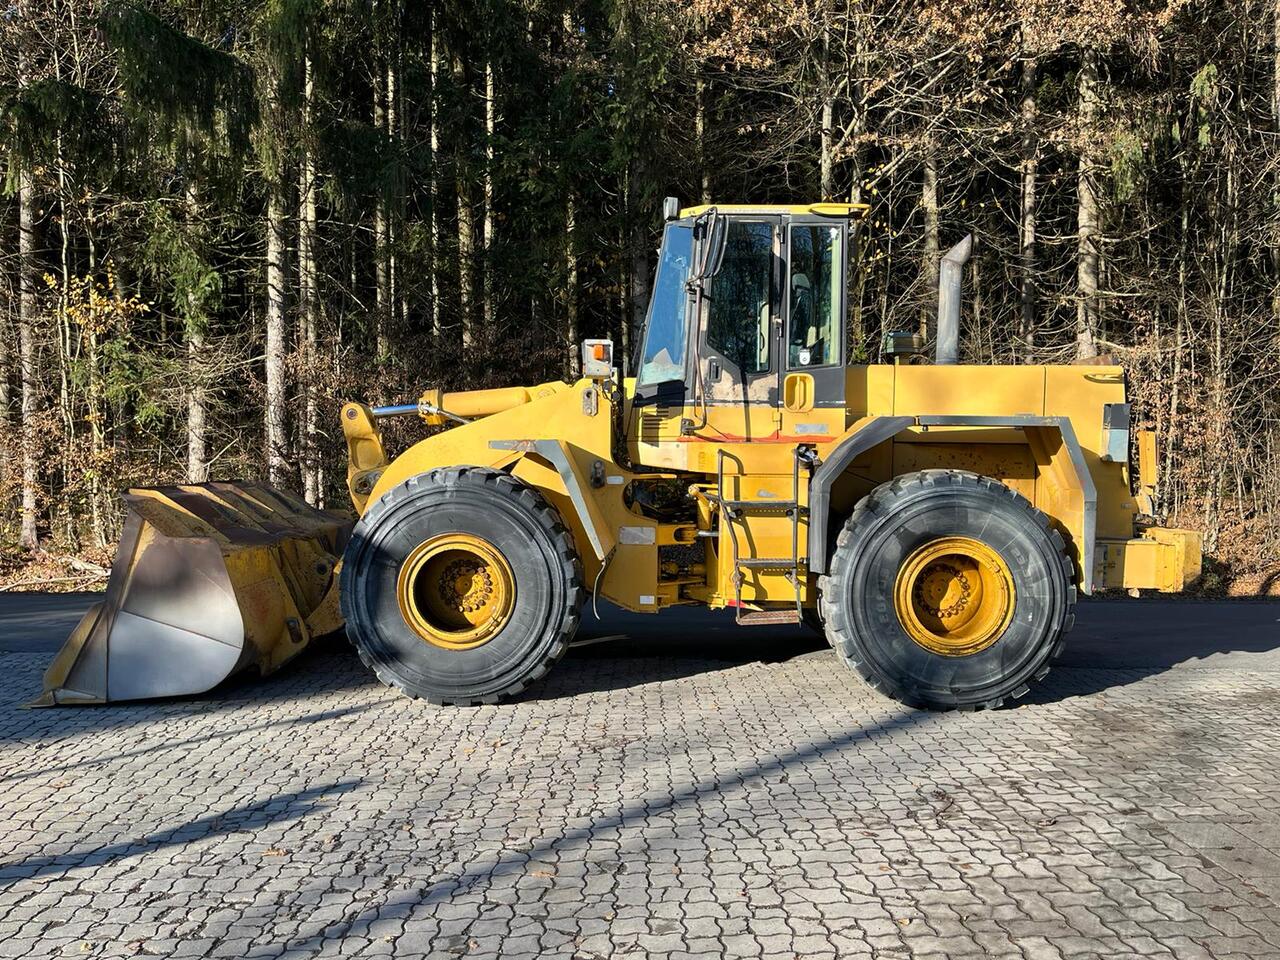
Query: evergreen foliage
{"type": "Point", "coordinates": [457, 238]}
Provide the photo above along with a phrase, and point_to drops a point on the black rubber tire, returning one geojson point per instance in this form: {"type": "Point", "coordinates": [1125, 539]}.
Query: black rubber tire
{"type": "Point", "coordinates": [522, 526]}
{"type": "Point", "coordinates": [885, 528]}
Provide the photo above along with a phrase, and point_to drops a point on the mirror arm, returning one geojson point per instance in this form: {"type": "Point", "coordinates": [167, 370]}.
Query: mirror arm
{"type": "Point", "coordinates": [710, 226]}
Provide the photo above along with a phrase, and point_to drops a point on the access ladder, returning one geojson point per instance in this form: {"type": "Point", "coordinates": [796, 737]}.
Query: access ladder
{"type": "Point", "coordinates": [735, 512]}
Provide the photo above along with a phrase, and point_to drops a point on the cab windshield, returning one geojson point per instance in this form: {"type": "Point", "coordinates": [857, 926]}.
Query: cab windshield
{"type": "Point", "coordinates": [665, 334]}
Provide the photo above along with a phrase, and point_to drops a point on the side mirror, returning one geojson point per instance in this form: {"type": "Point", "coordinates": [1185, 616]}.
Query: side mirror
{"type": "Point", "coordinates": [709, 234]}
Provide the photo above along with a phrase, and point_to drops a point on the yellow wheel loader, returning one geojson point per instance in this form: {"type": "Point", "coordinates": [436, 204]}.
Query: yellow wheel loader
{"type": "Point", "coordinates": [935, 520]}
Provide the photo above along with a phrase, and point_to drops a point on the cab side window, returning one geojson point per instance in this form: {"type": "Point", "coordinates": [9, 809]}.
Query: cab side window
{"type": "Point", "coordinates": [740, 296]}
{"type": "Point", "coordinates": [813, 301]}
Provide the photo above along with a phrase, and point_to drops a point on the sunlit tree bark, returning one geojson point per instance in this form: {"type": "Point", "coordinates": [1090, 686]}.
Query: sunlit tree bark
{"type": "Point", "coordinates": [1030, 169]}
{"type": "Point", "coordinates": [277, 411]}
{"type": "Point", "coordinates": [27, 272]}
{"type": "Point", "coordinates": [1087, 230]}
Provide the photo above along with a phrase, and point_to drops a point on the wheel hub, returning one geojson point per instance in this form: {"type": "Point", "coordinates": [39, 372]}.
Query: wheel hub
{"type": "Point", "coordinates": [954, 596]}
{"type": "Point", "coordinates": [466, 586]}
{"type": "Point", "coordinates": [455, 591]}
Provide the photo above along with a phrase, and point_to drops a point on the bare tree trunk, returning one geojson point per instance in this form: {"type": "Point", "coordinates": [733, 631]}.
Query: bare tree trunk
{"type": "Point", "coordinates": [27, 354]}
{"type": "Point", "coordinates": [851, 135]}
{"type": "Point", "coordinates": [197, 409]}
{"type": "Point", "coordinates": [700, 136]}
{"type": "Point", "coordinates": [984, 353]}
{"type": "Point", "coordinates": [572, 364]}
{"type": "Point", "coordinates": [624, 288]}
{"type": "Point", "coordinates": [1275, 120]}
{"type": "Point", "coordinates": [65, 346]}
{"type": "Point", "coordinates": [857, 232]}
{"type": "Point", "coordinates": [466, 239]}
{"type": "Point", "coordinates": [1027, 218]}
{"type": "Point", "coordinates": [1169, 441]}
{"type": "Point", "coordinates": [66, 337]}
{"type": "Point", "coordinates": [1087, 212]}
{"type": "Point", "coordinates": [699, 120]}
{"type": "Point", "coordinates": [1275, 61]}
{"type": "Point", "coordinates": [490, 131]}
{"type": "Point", "coordinates": [929, 202]}
{"type": "Point", "coordinates": [826, 186]}
{"type": "Point", "coordinates": [7, 295]}
{"type": "Point", "coordinates": [466, 265]}
{"type": "Point", "coordinates": [1224, 210]}
{"type": "Point", "coordinates": [308, 294]}
{"type": "Point", "coordinates": [381, 237]}
{"type": "Point", "coordinates": [277, 423]}
{"type": "Point", "coordinates": [395, 308]}
{"type": "Point", "coordinates": [571, 332]}
{"type": "Point", "coordinates": [197, 381]}
{"type": "Point", "coordinates": [92, 343]}
{"type": "Point", "coordinates": [27, 329]}
{"type": "Point", "coordinates": [639, 256]}
{"type": "Point", "coordinates": [639, 280]}
{"type": "Point", "coordinates": [434, 184]}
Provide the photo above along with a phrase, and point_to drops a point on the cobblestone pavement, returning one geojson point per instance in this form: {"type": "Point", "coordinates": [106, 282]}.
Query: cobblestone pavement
{"type": "Point", "coordinates": [646, 806]}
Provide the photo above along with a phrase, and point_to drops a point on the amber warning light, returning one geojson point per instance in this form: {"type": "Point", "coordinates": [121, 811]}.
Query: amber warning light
{"type": "Point", "coordinates": [597, 359]}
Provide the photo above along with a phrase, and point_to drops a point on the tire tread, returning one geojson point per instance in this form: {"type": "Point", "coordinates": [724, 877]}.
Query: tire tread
{"type": "Point", "coordinates": [839, 630]}
{"type": "Point", "coordinates": [570, 569]}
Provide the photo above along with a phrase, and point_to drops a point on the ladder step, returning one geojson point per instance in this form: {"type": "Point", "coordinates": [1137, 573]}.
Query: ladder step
{"type": "Point", "coordinates": [769, 563]}
{"type": "Point", "coordinates": [761, 617]}
{"type": "Point", "coordinates": [762, 505]}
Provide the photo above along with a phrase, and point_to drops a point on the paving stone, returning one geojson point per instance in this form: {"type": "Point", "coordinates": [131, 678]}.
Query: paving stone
{"type": "Point", "coordinates": [646, 806]}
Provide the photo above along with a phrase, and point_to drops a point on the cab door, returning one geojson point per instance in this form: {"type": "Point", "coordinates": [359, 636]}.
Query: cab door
{"type": "Point", "coordinates": [740, 333]}
{"type": "Point", "coordinates": [814, 373]}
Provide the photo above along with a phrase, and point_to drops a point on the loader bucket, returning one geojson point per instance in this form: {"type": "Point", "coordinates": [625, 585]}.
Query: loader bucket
{"type": "Point", "coordinates": [209, 579]}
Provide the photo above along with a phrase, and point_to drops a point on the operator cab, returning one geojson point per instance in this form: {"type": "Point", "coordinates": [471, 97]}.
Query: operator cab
{"type": "Point", "coordinates": [747, 315]}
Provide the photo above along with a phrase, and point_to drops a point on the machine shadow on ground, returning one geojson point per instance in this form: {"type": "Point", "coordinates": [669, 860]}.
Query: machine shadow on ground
{"type": "Point", "coordinates": [1117, 642]}
{"type": "Point", "coordinates": [633, 813]}
{"type": "Point", "coordinates": [651, 649]}
{"type": "Point", "coordinates": [242, 819]}
{"type": "Point", "coordinates": [1114, 643]}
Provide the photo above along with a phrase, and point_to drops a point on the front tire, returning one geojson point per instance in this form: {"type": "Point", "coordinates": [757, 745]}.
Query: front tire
{"type": "Point", "coordinates": [948, 590]}
{"type": "Point", "coordinates": [461, 585]}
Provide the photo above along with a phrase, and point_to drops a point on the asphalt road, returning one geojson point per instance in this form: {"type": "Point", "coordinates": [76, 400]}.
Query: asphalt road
{"type": "Point", "coordinates": [1109, 634]}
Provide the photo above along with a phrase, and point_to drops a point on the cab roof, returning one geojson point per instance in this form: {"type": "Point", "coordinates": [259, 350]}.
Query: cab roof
{"type": "Point", "coordinates": [794, 209]}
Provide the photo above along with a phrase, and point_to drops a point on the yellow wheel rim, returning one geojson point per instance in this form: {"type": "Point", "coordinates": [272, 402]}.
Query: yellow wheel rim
{"type": "Point", "coordinates": [954, 596]}
{"type": "Point", "coordinates": [455, 591]}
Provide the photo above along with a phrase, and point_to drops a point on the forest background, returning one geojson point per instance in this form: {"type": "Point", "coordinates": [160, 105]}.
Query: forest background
{"type": "Point", "coordinates": [222, 218]}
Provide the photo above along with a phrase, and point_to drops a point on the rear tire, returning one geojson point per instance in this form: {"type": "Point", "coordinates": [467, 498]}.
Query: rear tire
{"type": "Point", "coordinates": [406, 586]}
{"type": "Point", "coordinates": [889, 627]}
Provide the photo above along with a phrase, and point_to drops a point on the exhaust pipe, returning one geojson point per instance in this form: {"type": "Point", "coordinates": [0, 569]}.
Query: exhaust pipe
{"type": "Point", "coordinates": [949, 274]}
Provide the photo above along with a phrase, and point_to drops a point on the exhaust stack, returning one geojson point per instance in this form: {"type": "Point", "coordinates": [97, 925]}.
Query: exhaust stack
{"type": "Point", "coordinates": [949, 274]}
